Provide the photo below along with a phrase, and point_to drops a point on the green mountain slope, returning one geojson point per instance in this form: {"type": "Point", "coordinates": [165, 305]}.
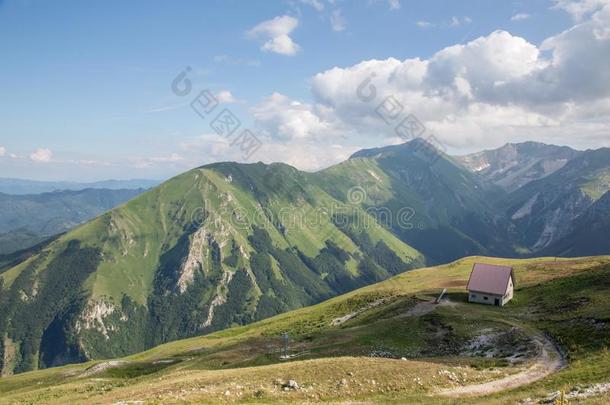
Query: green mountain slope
{"type": "Point", "coordinates": [436, 205]}
{"type": "Point", "coordinates": [542, 212]}
{"type": "Point", "coordinates": [588, 234]}
{"type": "Point", "coordinates": [218, 246]}
{"type": "Point", "coordinates": [229, 244]}
{"type": "Point", "coordinates": [514, 165]}
{"type": "Point", "coordinates": [385, 343]}
{"type": "Point", "coordinates": [26, 220]}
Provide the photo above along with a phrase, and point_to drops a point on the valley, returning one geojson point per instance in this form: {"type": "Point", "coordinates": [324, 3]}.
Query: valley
{"type": "Point", "coordinates": [29, 219]}
{"type": "Point", "coordinates": [305, 202]}
{"type": "Point", "coordinates": [229, 244]}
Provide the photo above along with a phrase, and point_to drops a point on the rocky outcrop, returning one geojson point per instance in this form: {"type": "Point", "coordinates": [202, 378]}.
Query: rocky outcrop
{"type": "Point", "coordinates": [94, 315]}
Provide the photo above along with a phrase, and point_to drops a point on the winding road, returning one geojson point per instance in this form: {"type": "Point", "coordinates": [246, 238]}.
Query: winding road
{"type": "Point", "coordinates": [549, 361]}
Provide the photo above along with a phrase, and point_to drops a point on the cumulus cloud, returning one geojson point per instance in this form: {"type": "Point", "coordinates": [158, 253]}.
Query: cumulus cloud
{"type": "Point", "coordinates": [579, 9]}
{"type": "Point", "coordinates": [303, 154]}
{"type": "Point", "coordinates": [494, 89]}
{"type": "Point", "coordinates": [276, 33]}
{"type": "Point", "coordinates": [2, 151]}
{"type": "Point", "coordinates": [491, 90]}
{"type": "Point", "coordinates": [337, 21]}
{"type": "Point", "coordinates": [520, 17]}
{"type": "Point", "coordinates": [225, 96]}
{"type": "Point", "coordinates": [41, 155]}
{"type": "Point", "coordinates": [282, 118]}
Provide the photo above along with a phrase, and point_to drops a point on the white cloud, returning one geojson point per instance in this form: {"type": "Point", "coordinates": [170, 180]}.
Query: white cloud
{"type": "Point", "coordinates": [457, 21]}
{"type": "Point", "coordinates": [424, 24]}
{"type": "Point", "coordinates": [317, 4]}
{"type": "Point", "coordinates": [282, 118]}
{"type": "Point", "coordinates": [2, 151]}
{"type": "Point", "coordinates": [276, 32]}
{"type": "Point", "coordinates": [337, 21]}
{"type": "Point", "coordinates": [225, 96]}
{"type": "Point", "coordinates": [303, 154]}
{"type": "Point", "coordinates": [41, 155]}
{"type": "Point", "coordinates": [520, 17]}
{"type": "Point", "coordinates": [394, 4]}
{"type": "Point", "coordinates": [579, 9]}
{"type": "Point", "coordinates": [493, 89]}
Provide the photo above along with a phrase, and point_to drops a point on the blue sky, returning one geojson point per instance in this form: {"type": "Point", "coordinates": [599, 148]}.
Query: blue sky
{"type": "Point", "coordinates": [86, 86]}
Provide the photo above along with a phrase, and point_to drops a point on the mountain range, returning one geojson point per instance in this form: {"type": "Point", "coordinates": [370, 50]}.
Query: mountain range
{"type": "Point", "coordinates": [22, 186]}
{"type": "Point", "coordinates": [227, 244]}
{"type": "Point", "coordinates": [28, 219]}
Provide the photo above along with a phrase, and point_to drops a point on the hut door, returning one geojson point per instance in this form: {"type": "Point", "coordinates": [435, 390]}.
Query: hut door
{"type": "Point", "coordinates": [497, 302]}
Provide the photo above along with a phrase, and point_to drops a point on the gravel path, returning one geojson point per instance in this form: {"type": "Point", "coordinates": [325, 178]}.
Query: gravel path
{"type": "Point", "coordinates": [549, 361]}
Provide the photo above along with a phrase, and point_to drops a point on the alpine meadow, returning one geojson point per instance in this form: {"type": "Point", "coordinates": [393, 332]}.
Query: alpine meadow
{"type": "Point", "coordinates": [305, 201]}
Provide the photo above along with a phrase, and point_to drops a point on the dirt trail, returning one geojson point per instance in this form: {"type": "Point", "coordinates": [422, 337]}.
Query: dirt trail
{"type": "Point", "coordinates": [341, 320]}
{"type": "Point", "coordinates": [420, 309]}
{"type": "Point", "coordinates": [98, 368]}
{"type": "Point", "coordinates": [549, 361]}
{"type": "Point", "coordinates": [425, 307]}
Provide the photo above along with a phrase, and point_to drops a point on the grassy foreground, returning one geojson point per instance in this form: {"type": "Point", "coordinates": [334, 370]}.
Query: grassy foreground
{"type": "Point", "coordinates": [382, 343]}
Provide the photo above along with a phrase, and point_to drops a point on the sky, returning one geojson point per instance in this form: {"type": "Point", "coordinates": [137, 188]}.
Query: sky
{"type": "Point", "coordinates": [149, 89]}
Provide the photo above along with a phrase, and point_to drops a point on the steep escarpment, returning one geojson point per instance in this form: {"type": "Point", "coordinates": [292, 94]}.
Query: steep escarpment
{"type": "Point", "coordinates": [547, 210]}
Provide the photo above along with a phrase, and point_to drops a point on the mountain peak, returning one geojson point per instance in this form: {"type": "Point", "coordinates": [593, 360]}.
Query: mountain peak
{"type": "Point", "coordinates": [515, 164]}
{"type": "Point", "coordinates": [413, 146]}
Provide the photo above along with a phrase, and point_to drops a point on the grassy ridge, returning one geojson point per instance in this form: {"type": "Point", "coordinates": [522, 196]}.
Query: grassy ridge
{"type": "Point", "coordinates": [182, 260]}
{"type": "Point", "coordinates": [567, 299]}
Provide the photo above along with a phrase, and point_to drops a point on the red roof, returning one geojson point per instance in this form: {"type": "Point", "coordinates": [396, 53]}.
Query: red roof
{"type": "Point", "coordinates": [489, 278]}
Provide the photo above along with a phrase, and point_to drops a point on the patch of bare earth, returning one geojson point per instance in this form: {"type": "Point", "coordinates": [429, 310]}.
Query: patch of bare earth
{"type": "Point", "coordinates": [98, 368]}
{"type": "Point", "coordinates": [341, 320]}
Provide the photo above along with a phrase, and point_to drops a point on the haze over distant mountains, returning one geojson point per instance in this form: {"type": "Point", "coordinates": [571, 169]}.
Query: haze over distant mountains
{"type": "Point", "coordinates": [227, 243]}
{"type": "Point", "coordinates": [32, 211]}
{"type": "Point", "coordinates": [22, 186]}
{"type": "Point", "coordinates": [28, 219]}
{"type": "Point", "coordinates": [514, 165]}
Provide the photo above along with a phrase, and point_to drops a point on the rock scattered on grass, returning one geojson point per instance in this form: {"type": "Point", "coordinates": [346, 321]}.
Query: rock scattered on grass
{"type": "Point", "coordinates": [578, 392]}
{"type": "Point", "coordinates": [290, 385]}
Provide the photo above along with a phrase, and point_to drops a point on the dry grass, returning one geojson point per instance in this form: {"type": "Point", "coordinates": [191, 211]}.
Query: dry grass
{"type": "Point", "coordinates": [242, 364]}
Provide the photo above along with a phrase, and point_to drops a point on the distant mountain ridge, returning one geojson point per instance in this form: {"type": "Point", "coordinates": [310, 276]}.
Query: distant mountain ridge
{"type": "Point", "coordinates": [514, 165]}
{"type": "Point", "coordinates": [588, 233]}
{"type": "Point", "coordinates": [227, 244]}
{"type": "Point", "coordinates": [23, 186]}
{"type": "Point", "coordinates": [452, 215]}
{"type": "Point", "coordinates": [26, 220]}
{"type": "Point", "coordinates": [545, 210]}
